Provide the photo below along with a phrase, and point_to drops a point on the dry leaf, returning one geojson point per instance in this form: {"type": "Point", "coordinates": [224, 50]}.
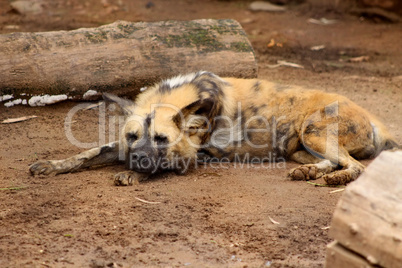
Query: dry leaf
{"type": "Point", "coordinates": [271, 43]}
{"type": "Point", "coordinates": [19, 119]}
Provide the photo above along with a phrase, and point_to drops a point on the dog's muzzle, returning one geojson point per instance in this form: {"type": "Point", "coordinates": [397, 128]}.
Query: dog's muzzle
{"type": "Point", "coordinates": [141, 162]}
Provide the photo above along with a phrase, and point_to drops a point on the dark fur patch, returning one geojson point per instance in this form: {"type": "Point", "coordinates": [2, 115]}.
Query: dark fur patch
{"type": "Point", "coordinates": [257, 86]}
{"type": "Point", "coordinates": [255, 110]}
{"type": "Point", "coordinates": [164, 88]}
{"type": "Point", "coordinates": [106, 149]}
{"type": "Point", "coordinates": [131, 138]}
{"type": "Point", "coordinates": [313, 129]}
{"type": "Point", "coordinates": [148, 120]}
{"type": "Point", "coordinates": [287, 151]}
{"type": "Point", "coordinates": [281, 135]}
{"type": "Point", "coordinates": [209, 86]}
{"type": "Point", "coordinates": [390, 144]}
{"type": "Point", "coordinates": [161, 140]}
{"type": "Point", "coordinates": [292, 100]}
{"type": "Point", "coordinates": [352, 129]}
{"type": "Point", "coordinates": [331, 110]}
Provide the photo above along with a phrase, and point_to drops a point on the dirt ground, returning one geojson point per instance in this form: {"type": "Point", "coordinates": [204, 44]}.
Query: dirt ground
{"type": "Point", "coordinates": [210, 217]}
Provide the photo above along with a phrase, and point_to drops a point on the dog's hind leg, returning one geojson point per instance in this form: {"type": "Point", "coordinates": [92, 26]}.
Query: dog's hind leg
{"type": "Point", "coordinates": [333, 156]}
{"type": "Point", "coordinates": [312, 168]}
{"type": "Point", "coordinates": [103, 155]}
{"type": "Point", "coordinates": [351, 169]}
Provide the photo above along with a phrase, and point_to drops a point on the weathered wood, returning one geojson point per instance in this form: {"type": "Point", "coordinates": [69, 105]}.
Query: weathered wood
{"type": "Point", "coordinates": [340, 257]}
{"type": "Point", "coordinates": [368, 217]}
{"type": "Point", "coordinates": [121, 56]}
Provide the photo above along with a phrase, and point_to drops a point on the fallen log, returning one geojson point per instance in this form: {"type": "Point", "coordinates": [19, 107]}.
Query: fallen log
{"type": "Point", "coordinates": [367, 222]}
{"type": "Point", "coordinates": [340, 257]}
{"type": "Point", "coordinates": [121, 57]}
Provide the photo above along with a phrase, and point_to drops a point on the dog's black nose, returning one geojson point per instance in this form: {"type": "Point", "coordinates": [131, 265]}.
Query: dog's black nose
{"type": "Point", "coordinates": [138, 156]}
{"type": "Point", "coordinates": [140, 161]}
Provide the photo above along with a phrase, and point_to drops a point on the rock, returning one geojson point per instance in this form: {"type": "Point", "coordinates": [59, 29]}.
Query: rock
{"type": "Point", "coordinates": [265, 6]}
{"type": "Point", "coordinates": [26, 7]}
{"type": "Point", "coordinates": [12, 27]}
{"type": "Point", "coordinates": [97, 264]}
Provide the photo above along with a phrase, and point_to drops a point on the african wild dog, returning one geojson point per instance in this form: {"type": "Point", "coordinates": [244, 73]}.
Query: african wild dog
{"type": "Point", "coordinates": [203, 115]}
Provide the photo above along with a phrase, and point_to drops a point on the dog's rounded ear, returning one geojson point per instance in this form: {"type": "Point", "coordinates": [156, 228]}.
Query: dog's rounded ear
{"type": "Point", "coordinates": [195, 115]}
{"type": "Point", "coordinates": [124, 105]}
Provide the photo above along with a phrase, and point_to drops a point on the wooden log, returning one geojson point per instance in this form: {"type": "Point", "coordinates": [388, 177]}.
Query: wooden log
{"type": "Point", "coordinates": [368, 217]}
{"type": "Point", "coordinates": [340, 257]}
{"type": "Point", "coordinates": [122, 56]}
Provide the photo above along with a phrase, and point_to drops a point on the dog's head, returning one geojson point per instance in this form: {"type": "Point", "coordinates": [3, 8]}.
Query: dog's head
{"type": "Point", "coordinates": [167, 124]}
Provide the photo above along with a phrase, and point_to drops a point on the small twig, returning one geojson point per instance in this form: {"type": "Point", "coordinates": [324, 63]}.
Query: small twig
{"type": "Point", "coordinates": [317, 48]}
{"type": "Point", "coordinates": [19, 119]}
{"type": "Point", "coordinates": [211, 174]}
{"type": "Point", "coordinates": [273, 221]}
{"type": "Point", "coordinates": [93, 106]}
{"type": "Point", "coordinates": [13, 188]}
{"type": "Point", "coordinates": [145, 201]}
{"type": "Point", "coordinates": [337, 191]}
{"type": "Point", "coordinates": [359, 59]}
{"type": "Point", "coordinates": [322, 21]}
{"type": "Point", "coordinates": [325, 228]}
{"type": "Point", "coordinates": [285, 63]}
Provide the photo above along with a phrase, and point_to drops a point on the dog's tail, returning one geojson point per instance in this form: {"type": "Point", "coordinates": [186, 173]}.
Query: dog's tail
{"type": "Point", "coordinates": [382, 139]}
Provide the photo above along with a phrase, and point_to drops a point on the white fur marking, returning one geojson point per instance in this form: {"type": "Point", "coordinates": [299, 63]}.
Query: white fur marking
{"type": "Point", "coordinates": [182, 79]}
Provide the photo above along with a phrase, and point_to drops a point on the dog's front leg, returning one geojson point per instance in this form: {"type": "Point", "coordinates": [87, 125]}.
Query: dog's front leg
{"type": "Point", "coordinates": [103, 155]}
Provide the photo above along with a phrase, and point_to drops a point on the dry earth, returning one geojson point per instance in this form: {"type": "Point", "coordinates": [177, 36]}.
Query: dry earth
{"type": "Point", "coordinates": [211, 217]}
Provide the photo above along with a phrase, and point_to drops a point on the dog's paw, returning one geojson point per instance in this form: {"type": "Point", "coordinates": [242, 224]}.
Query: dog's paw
{"type": "Point", "coordinates": [305, 173]}
{"type": "Point", "coordinates": [340, 177]}
{"type": "Point", "coordinates": [127, 178]}
{"type": "Point", "coordinates": [44, 167]}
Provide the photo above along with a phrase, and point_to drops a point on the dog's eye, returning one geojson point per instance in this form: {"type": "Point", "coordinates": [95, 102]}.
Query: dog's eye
{"type": "Point", "coordinates": [160, 139]}
{"type": "Point", "coordinates": [131, 137]}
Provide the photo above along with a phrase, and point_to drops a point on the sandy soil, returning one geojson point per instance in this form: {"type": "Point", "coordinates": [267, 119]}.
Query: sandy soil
{"type": "Point", "coordinates": [211, 217]}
